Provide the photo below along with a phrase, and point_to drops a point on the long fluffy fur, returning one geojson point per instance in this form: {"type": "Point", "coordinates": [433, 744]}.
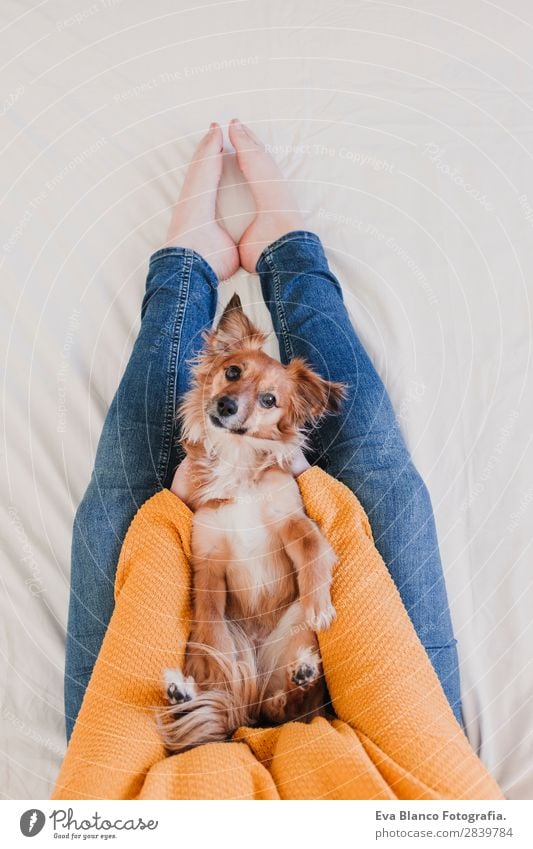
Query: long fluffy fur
{"type": "Point", "coordinates": [214, 714]}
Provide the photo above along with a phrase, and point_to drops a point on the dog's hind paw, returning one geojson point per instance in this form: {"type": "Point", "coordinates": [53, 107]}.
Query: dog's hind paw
{"type": "Point", "coordinates": [306, 670]}
{"type": "Point", "coordinates": [178, 688]}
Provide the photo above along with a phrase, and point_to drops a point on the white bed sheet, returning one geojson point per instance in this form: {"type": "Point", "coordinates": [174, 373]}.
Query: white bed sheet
{"type": "Point", "coordinates": [407, 129]}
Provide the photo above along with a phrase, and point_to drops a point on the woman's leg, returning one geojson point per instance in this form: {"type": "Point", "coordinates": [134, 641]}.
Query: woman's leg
{"type": "Point", "coordinates": [137, 453]}
{"type": "Point", "coordinates": [363, 447]}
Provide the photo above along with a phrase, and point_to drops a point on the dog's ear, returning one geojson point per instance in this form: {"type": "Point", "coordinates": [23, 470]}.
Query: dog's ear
{"type": "Point", "coordinates": [313, 396]}
{"type": "Point", "coordinates": [235, 330]}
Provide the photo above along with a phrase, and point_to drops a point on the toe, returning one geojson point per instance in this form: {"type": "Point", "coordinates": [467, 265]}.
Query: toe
{"type": "Point", "coordinates": [210, 145]}
{"type": "Point", "coordinates": [241, 137]}
{"type": "Point", "coordinates": [202, 178]}
{"type": "Point", "coordinates": [265, 180]}
{"type": "Point", "coordinates": [252, 158]}
{"type": "Point", "coordinates": [214, 137]}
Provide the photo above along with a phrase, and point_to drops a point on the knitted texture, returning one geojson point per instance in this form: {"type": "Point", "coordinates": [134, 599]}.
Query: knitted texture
{"type": "Point", "coordinates": [395, 736]}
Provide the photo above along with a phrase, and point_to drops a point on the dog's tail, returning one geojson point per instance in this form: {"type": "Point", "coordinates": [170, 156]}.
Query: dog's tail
{"type": "Point", "coordinates": [214, 713]}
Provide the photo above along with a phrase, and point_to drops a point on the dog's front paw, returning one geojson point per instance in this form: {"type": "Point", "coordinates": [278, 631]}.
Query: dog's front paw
{"type": "Point", "coordinates": [319, 612]}
{"type": "Point", "coordinates": [178, 688]}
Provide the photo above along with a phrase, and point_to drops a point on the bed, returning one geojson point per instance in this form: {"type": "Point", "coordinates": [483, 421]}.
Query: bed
{"type": "Point", "coordinates": [406, 130]}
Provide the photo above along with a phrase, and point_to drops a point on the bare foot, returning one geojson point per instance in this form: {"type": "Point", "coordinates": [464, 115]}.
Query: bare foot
{"type": "Point", "coordinates": [194, 223]}
{"type": "Point", "coordinates": [277, 211]}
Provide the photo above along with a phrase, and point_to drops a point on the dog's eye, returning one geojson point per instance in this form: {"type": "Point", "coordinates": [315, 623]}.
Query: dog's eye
{"type": "Point", "coordinates": [267, 400]}
{"type": "Point", "coordinates": [233, 373]}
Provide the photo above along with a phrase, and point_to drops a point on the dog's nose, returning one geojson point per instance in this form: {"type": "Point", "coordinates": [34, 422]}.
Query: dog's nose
{"type": "Point", "coordinates": [227, 406]}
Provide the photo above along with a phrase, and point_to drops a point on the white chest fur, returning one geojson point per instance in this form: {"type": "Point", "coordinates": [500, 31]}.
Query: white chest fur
{"type": "Point", "coordinates": [259, 496]}
{"type": "Point", "coordinates": [253, 569]}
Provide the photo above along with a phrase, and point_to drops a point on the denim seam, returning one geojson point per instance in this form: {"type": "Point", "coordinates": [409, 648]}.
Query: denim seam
{"type": "Point", "coordinates": [289, 350]}
{"type": "Point", "coordinates": [188, 254]}
{"type": "Point", "coordinates": [294, 236]}
{"type": "Point", "coordinates": [164, 455]}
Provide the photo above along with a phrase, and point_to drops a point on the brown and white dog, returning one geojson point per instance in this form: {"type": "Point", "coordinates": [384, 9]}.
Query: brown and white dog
{"type": "Point", "coordinates": [261, 568]}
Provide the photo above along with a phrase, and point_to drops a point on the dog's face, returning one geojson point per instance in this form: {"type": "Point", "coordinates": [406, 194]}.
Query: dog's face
{"type": "Point", "coordinates": [250, 393]}
{"type": "Point", "coordinates": [241, 390]}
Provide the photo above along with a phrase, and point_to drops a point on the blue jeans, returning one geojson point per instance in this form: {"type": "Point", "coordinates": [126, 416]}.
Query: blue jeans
{"type": "Point", "coordinates": [363, 447]}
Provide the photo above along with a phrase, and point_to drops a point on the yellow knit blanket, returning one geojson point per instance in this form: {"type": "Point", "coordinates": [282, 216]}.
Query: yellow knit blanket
{"type": "Point", "coordinates": [395, 738]}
